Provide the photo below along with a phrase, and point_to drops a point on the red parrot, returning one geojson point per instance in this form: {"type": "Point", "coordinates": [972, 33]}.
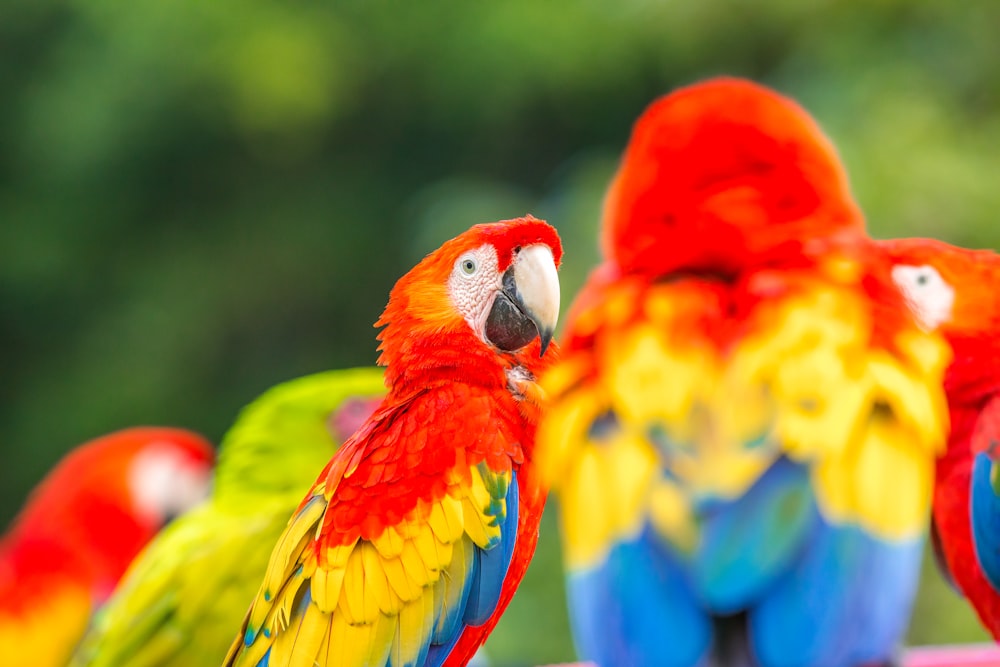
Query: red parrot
{"type": "Point", "coordinates": [414, 537]}
{"type": "Point", "coordinates": [741, 432]}
{"type": "Point", "coordinates": [80, 529]}
{"type": "Point", "coordinates": [953, 290]}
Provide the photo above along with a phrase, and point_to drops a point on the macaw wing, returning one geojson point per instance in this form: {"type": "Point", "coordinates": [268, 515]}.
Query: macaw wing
{"type": "Point", "coordinates": [403, 595]}
{"type": "Point", "coordinates": [985, 491]}
{"type": "Point", "coordinates": [186, 591]}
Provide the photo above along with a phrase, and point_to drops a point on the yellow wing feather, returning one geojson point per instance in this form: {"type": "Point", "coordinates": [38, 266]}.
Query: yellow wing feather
{"type": "Point", "coordinates": [368, 600]}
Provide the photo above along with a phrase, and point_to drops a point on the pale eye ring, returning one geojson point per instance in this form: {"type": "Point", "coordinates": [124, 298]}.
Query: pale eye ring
{"type": "Point", "coordinates": [468, 265]}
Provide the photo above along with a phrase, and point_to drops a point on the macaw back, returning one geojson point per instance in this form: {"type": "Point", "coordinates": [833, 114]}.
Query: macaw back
{"type": "Point", "coordinates": [187, 591]}
{"type": "Point", "coordinates": [743, 469]}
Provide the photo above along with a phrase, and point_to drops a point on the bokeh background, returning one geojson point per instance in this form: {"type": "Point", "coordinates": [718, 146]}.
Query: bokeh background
{"type": "Point", "coordinates": [201, 199]}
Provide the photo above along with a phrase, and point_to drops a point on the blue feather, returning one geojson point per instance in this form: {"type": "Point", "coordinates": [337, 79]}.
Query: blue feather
{"type": "Point", "coordinates": [986, 519]}
{"type": "Point", "coordinates": [637, 609]}
{"type": "Point", "coordinates": [845, 602]}
{"type": "Point", "coordinates": [484, 583]}
{"type": "Point", "coordinates": [493, 564]}
{"type": "Point", "coordinates": [769, 524]}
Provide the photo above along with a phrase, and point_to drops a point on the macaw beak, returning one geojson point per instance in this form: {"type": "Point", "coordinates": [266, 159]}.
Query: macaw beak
{"type": "Point", "coordinates": [528, 302]}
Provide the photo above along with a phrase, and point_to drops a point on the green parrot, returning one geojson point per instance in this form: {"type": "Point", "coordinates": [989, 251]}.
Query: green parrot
{"type": "Point", "coordinates": [185, 593]}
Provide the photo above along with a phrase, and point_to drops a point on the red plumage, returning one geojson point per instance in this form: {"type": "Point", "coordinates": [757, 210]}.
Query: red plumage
{"type": "Point", "coordinates": [971, 382]}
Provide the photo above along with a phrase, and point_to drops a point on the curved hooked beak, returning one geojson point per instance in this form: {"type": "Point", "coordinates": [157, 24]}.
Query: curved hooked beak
{"type": "Point", "coordinates": [528, 302]}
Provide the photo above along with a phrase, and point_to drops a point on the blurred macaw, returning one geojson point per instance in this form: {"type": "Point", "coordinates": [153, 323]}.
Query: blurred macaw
{"type": "Point", "coordinates": [413, 539]}
{"type": "Point", "coordinates": [742, 429]}
{"type": "Point", "coordinates": [181, 599]}
{"type": "Point", "coordinates": [82, 526]}
{"type": "Point", "coordinates": [954, 291]}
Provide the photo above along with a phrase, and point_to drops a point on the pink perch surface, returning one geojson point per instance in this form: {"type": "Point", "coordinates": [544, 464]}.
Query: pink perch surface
{"type": "Point", "coordinates": [975, 655]}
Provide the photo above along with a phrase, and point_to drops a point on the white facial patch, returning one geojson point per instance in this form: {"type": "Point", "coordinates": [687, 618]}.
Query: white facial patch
{"type": "Point", "coordinates": [474, 281]}
{"type": "Point", "coordinates": [164, 482]}
{"type": "Point", "coordinates": [927, 294]}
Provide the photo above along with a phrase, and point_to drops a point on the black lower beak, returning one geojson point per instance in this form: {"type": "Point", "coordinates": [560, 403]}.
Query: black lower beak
{"type": "Point", "coordinates": [510, 326]}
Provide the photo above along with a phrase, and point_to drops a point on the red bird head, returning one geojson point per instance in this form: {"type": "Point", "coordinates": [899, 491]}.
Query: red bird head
{"type": "Point", "coordinates": [490, 293]}
{"type": "Point", "coordinates": [948, 288]}
{"type": "Point", "coordinates": [953, 290]}
{"type": "Point", "coordinates": [108, 497]}
{"type": "Point", "coordinates": [719, 175]}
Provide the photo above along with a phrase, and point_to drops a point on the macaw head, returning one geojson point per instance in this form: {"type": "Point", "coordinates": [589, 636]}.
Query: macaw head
{"type": "Point", "coordinates": [948, 289]}
{"type": "Point", "coordinates": [719, 175]}
{"type": "Point", "coordinates": [953, 290]}
{"type": "Point", "coordinates": [491, 292]}
{"type": "Point", "coordinates": [109, 496]}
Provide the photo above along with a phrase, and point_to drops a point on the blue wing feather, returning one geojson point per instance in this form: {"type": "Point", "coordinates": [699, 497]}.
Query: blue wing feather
{"type": "Point", "coordinates": [487, 573]}
{"type": "Point", "coordinates": [986, 519]}
{"type": "Point", "coordinates": [637, 608]}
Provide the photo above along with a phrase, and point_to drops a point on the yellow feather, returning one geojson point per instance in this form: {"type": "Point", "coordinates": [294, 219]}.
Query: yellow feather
{"type": "Point", "coordinates": [415, 624]}
{"type": "Point", "coordinates": [325, 586]}
{"type": "Point", "coordinates": [282, 611]}
{"type": "Point", "coordinates": [894, 482]}
{"type": "Point", "coordinates": [671, 516]}
{"type": "Point", "coordinates": [356, 603]}
{"type": "Point", "coordinates": [389, 543]}
{"type": "Point", "coordinates": [446, 519]}
{"type": "Point", "coordinates": [358, 645]}
{"type": "Point", "coordinates": [414, 565]}
{"type": "Point", "coordinates": [427, 546]}
{"type": "Point", "coordinates": [250, 655]}
{"type": "Point", "coordinates": [403, 586]}
{"type": "Point", "coordinates": [378, 588]}
{"type": "Point", "coordinates": [448, 590]}
{"type": "Point", "coordinates": [477, 492]}
{"type": "Point", "coordinates": [339, 555]}
{"type": "Point", "coordinates": [912, 400]}
{"type": "Point", "coordinates": [587, 522]}
{"type": "Point", "coordinates": [285, 557]}
{"type": "Point", "coordinates": [564, 429]}
{"type": "Point", "coordinates": [475, 524]}
{"type": "Point", "coordinates": [300, 644]}
{"type": "Point", "coordinates": [650, 380]}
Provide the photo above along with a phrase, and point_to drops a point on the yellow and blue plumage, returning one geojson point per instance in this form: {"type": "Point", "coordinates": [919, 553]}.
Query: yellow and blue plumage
{"type": "Point", "coordinates": [744, 423]}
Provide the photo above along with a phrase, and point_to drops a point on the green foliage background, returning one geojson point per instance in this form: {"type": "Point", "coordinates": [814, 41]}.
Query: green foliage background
{"type": "Point", "coordinates": [201, 199]}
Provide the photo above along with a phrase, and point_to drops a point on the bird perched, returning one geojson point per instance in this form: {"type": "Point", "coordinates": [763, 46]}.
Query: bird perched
{"type": "Point", "coordinates": [182, 597]}
{"type": "Point", "coordinates": [413, 539]}
{"type": "Point", "coordinates": [742, 428]}
{"type": "Point", "coordinates": [82, 526]}
{"type": "Point", "coordinates": [953, 290]}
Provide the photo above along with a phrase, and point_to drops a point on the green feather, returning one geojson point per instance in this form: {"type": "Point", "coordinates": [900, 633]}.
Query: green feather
{"type": "Point", "coordinates": [185, 596]}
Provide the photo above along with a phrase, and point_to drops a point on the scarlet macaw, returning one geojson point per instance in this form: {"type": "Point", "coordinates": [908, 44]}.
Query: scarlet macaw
{"type": "Point", "coordinates": [744, 421]}
{"type": "Point", "coordinates": [413, 539]}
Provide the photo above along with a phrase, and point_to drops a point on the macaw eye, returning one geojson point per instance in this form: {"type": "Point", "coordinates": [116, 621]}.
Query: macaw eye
{"type": "Point", "coordinates": [468, 265]}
